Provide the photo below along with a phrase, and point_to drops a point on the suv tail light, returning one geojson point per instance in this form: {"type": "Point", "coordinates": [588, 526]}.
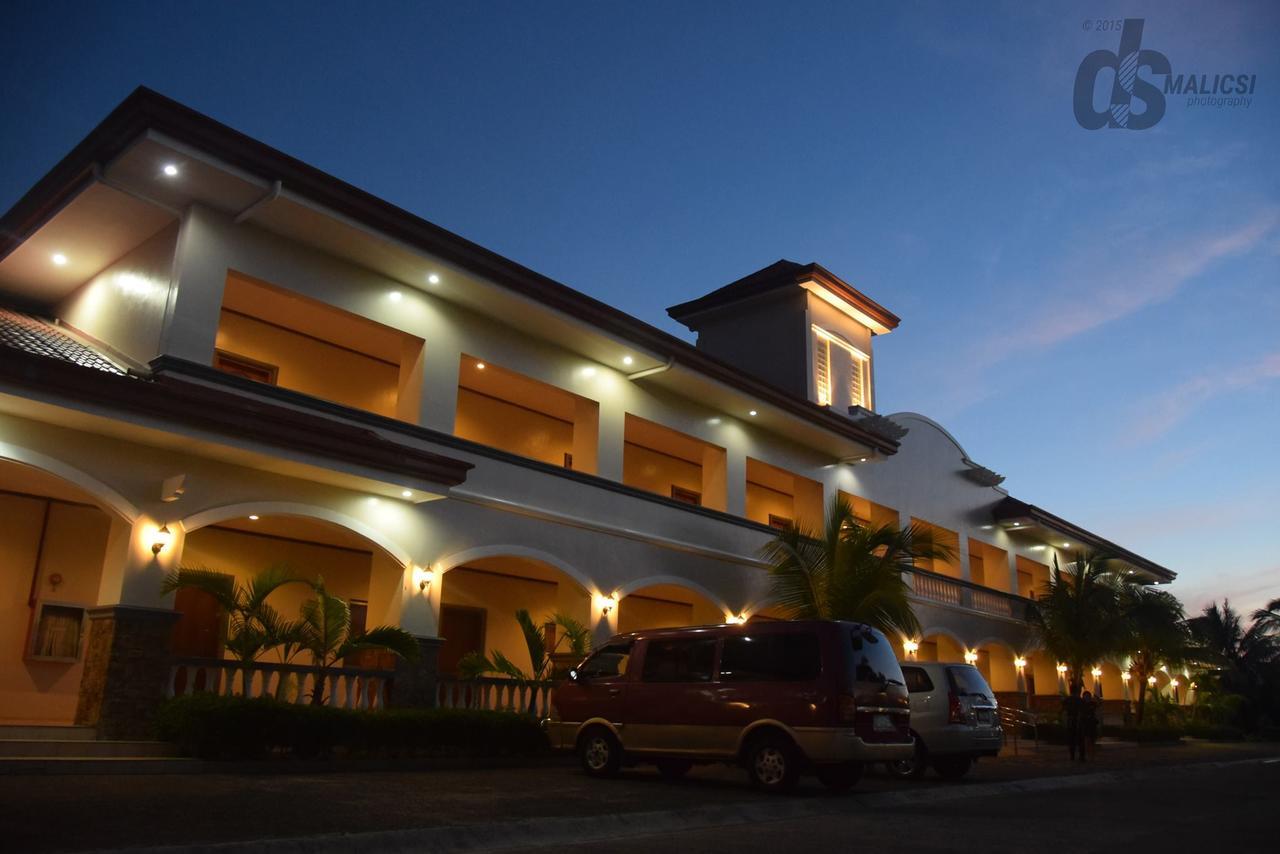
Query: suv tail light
{"type": "Point", "coordinates": [955, 714]}
{"type": "Point", "coordinates": [848, 710]}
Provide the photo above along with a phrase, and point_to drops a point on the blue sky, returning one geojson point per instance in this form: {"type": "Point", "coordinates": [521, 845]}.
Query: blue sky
{"type": "Point", "coordinates": [1092, 313]}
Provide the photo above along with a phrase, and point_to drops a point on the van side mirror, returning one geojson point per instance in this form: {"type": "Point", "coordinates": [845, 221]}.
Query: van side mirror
{"type": "Point", "coordinates": [577, 676]}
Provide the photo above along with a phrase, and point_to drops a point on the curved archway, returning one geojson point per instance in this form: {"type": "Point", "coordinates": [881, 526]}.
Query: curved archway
{"type": "Point", "coordinates": [102, 494]}
{"type": "Point", "coordinates": [443, 565]}
{"type": "Point", "coordinates": [664, 601]}
{"type": "Point", "coordinates": [215, 515]}
{"type": "Point", "coordinates": [674, 581]}
{"type": "Point", "coordinates": [941, 644]}
{"type": "Point", "coordinates": [995, 661]}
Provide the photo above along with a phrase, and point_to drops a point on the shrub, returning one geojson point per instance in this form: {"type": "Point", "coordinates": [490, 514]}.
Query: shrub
{"type": "Point", "coordinates": [1213, 732]}
{"type": "Point", "coordinates": [1054, 733]}
{"type": "Point", "coordinates": [216, 727]}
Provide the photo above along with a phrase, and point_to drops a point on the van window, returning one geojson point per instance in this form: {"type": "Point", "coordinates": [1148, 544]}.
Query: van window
{"type": "Point", "coordinates": [969, 682]}
{"type": "Point", "coordinates": [918, 682]}
{"type": "Point", "coordinates": [610, 660]}
{"type": "Point", "coordinates": [780, 657]}
{"type": "Point", "coordinates": [873, 659]}
{"type": "Point", "coordinates": [679, 660]}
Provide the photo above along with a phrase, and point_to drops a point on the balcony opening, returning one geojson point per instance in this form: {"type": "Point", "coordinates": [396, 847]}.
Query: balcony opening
{"type": "Point", "coordinates": [276, 337]}
{"type": "Point", "coordinates": [1033, 578]}
{"type": "Point", "coordinates": [673, 464]}
{"type": "Point", "coordinates": [777, 497]}
{"type": "Point", "coordinates": [662, 606]}
{"type": "Point", "coordinates": [949, 566]}
{"type": "Point", "coordinates": [988, 565]}
{"type": "Point", "coordinates": [515, 413]}
{"type": "Point", "coordinates": [868, 513]}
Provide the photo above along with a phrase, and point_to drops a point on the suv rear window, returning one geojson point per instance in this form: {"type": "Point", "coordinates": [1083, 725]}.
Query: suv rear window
{"type": "Point", "coordinates": [918, 682]}
{"type": "Point", "coordinates": [773, 657]}
{"type": "Point", "coordinates": [969, 682]}
{"type": "Point", "coordinates": [679, 660]}
{"type": "Point", "coordinates": [873, 659]}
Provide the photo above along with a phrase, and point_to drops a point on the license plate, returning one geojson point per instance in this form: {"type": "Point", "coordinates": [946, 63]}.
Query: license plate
{"type": "Point", "coordinates": [984, 717]}
{"type": "Point", "coordinates": [882, 723]}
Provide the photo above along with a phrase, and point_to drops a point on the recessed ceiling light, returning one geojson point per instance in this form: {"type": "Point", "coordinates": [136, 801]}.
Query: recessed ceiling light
{"type": "Point", "coordinates": [433, 279]}
{"type": "Point", "coordinates": [170, 170]}
{"type": "Point", "coordinates": [753, 413]}
{"type": "Point", "coordinates": [407, 493]}
{"type": "Point", "coordinates": [59, 259]}
{"type": "Point", "coordinates": [862, 459]}
{"type": "Point", "coordinates": [479, 366]}
{"type": "Point", "coordinates": [253, 517]}
{"type": "Point", "coordinates": [1066, 545]}
{"type": "Point", "coordinates": [394, 296]}
{"type": "Point", "coordinates": [627, 360]}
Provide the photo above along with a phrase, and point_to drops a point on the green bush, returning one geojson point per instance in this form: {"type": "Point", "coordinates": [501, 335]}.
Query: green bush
{"type": "Point", "coordinates": [1213, 732]}
{"type": "Point", "coordinates": [1054, 733]}
{"type": "Point", "coordinates": [215, 727]}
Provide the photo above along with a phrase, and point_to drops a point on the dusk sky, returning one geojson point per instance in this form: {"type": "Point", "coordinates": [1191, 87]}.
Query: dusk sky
{"type": "Point", "coordinates": [1094, 314]}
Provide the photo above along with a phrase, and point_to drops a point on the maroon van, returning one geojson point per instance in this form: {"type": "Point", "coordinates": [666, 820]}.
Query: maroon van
{"type": "Point", "coordinates": [782, 698]}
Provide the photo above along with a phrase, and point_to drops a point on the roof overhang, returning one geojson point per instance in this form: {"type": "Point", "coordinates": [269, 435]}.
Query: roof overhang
{"type": "Point", "coordinates": [1028, 520]}
{"type": "Point", "coordinates": [119, 167]}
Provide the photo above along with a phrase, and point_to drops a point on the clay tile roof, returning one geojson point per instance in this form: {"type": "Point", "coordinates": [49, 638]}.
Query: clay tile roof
{"type": "Point", "coordinates": [41, 338]}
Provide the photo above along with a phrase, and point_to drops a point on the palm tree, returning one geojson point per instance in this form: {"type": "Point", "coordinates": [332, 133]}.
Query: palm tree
{"type": "Point", "coordinates": [849, 571]}
{"type": "Point", "coordinates": [254, 626]}
{"type": "Point", "coordinates": [475, 664]}
{"type": "Point", "coordinates": [1156, 632]}
{"type": "Point", "coordinates": [1078, 618]}
{"type": "Point", "coordinates": [1242, 661]}
{"type": "Point", "coordinates": [325, 632]}
{"type": "Point", "coordinates": [1268, 618]}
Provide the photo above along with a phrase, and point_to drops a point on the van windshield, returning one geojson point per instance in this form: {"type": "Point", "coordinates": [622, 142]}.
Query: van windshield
{"type": "Point", "coordinates": [873, 658]}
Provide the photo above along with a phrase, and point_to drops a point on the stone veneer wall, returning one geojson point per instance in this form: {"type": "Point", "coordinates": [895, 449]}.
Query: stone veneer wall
{"type": "Point", "coordinates": [414, 683]}
{"type": "Point", "coordinates": [126, 668]}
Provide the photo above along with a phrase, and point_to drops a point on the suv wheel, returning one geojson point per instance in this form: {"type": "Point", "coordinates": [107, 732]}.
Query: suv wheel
{"type": "Point", "coordinates": [600, 753]}
{"type": "Point", "coordinates": [840, 778]}
{"type": "Point", "coordinates": [913, 768]}
{"type": "Point", "coordinates": [952, 767]}
{"type": "Point", "coordinates": [773, 763]}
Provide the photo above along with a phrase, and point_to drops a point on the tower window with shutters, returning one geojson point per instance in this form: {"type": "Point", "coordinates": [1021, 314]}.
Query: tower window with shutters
{"type": "Point", "coordinates": [842, 372]}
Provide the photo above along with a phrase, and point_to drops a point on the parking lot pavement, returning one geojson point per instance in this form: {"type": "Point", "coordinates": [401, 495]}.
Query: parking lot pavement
{"type": "Point", "coordinates": [70, 813]}
{"type": "Point", "coordinates": [1219, 809]}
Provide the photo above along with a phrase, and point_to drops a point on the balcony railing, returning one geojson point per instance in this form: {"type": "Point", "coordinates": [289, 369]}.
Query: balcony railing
{"type": "Point", "coordinates": [499, 695]}
{"type": "Point", "coordinates": [341, 687]}
{"type": "Point", "coordinates": [952, 591]}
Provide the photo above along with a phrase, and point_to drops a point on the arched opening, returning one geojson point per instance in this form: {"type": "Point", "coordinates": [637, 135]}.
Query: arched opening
{"type": "Point", "coordinates": [352, 567]}
{"type": "Point", "coordinates": [53, 542]}
{"type": "Point", "coordinates": [940, 646]}
{"type": "Point", "coordinates": [666, 605]}
{"type": "Point", "coordinates": [479, 599]}
{"type": "Point", "coordinates": [1042, 674]}
{"type": "Point", "coordinates": [995, 660]}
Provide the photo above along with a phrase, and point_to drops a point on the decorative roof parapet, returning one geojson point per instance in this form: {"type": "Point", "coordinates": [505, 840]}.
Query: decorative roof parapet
{"type": "Point", "coordinates": [980, 475]}
{"type": "Point", "coordinates": [878, 424]}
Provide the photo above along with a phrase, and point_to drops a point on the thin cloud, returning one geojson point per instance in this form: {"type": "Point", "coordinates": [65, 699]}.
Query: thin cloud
{"type": "Point", "coordinates": [1158, 414]}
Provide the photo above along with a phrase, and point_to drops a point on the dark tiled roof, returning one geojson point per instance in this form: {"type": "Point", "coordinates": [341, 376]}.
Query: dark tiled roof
{"type": "Point", "coordinates": [41, 338]}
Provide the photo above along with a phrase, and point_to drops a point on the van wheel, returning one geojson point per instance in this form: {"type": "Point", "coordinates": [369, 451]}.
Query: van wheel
{"type": "Point", "coordinates": [840, 778]}
{"type": "Point", "coordinates": [773, 763]}
{"type": "Point", "coordinates": [673, 769]}
{"type": "Point", "coordinates": [952, 767]}
{"type": "Point", "coordinates": [913, 768]}
{"type": "Point", "coordinates": [600, 753]}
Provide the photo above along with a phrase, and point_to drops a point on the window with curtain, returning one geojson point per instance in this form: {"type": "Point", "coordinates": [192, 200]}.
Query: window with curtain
{"type": "Point", "coordinates": [58, 632]}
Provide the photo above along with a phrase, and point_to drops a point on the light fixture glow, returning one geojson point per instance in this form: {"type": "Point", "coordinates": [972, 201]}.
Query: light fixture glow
{"type": "Point", "coordinates": [479, 366]}
{"type": "Point", "coordinates": [1019, 663]}
{"type": "Point", "coordinates": [161, 539]}
{"type": "Point", "coordinates": [1126, 676]}
{"type": "Point", "coordinates": [395, 296]}
{"type": "Point", "coordinates": [253, 517]}
{"type": "Point", "coordinates": [753, 413]}
{"type": "Point", "coordinates": [910, 646]}
{"type": "Point", "coordinates": [627, 360]}
{"type": "Point", "coordinates": [1066, 545]}
{"type": "Point", "coordinates": [1062, 668]}
{"type": "Point", "coordinates": [588, 371]}
{"type": "Point", "coordinates": [607, 603]}
{"type": "Point", "coordinates": [1151, 680]}
{"type": "Point", "coordinates": [59, 259]}
{"type": "Point", "coordinates": [970, 656]}
{"type": "Point", "coordinates": [433, 279]}
{"type": "Point", "coordinates": [170, 169]}
{"type": "Point", "coordinates": [406, 493]}
{"type": "Point", "coordinates": [1097, 672]}
{"type": "Point", "coordinates": [862, 459]}
{"type": "Point", "coordinates": [424, 575]}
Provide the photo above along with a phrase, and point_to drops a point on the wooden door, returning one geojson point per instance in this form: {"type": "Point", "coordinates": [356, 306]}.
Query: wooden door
{"type": "Point", "coordinates": [463, 632]}
{"type": "Point", "coordinates": [201, 630]}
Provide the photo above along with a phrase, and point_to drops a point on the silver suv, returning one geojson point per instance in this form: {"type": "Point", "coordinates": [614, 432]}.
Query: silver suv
{"type": "Point", "coordinates": [954, 718]}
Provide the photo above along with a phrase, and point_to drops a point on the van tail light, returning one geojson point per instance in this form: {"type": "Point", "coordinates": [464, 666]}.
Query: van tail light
{"type": "Point", "coordinates": [955, 714]}
{"type": "Point", "coordinates": [848, 710]}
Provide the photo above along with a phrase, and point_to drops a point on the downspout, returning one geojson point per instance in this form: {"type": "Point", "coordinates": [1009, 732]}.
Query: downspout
{"type": "Point", "coordinates": [649, 372]}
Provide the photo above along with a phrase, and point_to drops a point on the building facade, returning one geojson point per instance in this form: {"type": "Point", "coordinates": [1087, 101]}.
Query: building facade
{"type": "Point", "coordinates": [216, 356]}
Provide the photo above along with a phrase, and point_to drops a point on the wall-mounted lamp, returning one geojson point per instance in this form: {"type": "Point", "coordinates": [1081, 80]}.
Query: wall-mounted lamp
{"type": "Point", "coordinates": [910, 647]}
{"type": "Point", "coordinates": [161, 540]}
{"type": "Point", "coordinates": [1062, 668]}
{"type": "Point", "coordinates": [1151, 680]}
{"type": "Point", "coordinates": [1174, 683]}
{"type": "Point", "coordinates": [970, 656]}
{"type": "Point", "coordinates": [607, 603]}
{"type": "Point", "coordinates": [1097, 672]}
{"type": "Point", "coordinates": [1126, 676]}
{"type": "Point", "coordinates": [1019, 663]}
{"type": "Point", "coordinates": [736, 619]}
{"type": "Point", "coordinates": [424, 576]}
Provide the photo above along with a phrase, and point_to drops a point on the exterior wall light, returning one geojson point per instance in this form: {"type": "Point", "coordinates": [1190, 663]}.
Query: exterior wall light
{"type": "Point", "coordinates": [161, 540]}
{"type": "Point", "coordinates": [1126, 676]}
{"type": "Point", "coordinates": [1097, 672]}
{"type": "Point", "coordinates": [1151, 680]}
{"type": "Point", "coordinates": [59, 259]}
{"type": "Point", "coordinates": [1174, 683]}
{"type": "Point", "coordinates": [607, 603]}
{"type": "Point", "coordinates": [171, 170]}
{"type": "Point", "coordinates": [424, 575]}
{"type": "Point", "coordinates": [970, 656]}
{"type": "Point", "coordinates": [1019, 662]}
{"type": "Point", "coordinates": [911, 647]}
{"type": "Point", "coordinates": [1062, 668]}
{"type": "Point", "coordinates": [736, 619]}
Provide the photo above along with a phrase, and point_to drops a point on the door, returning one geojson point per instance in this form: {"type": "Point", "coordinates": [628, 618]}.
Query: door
{"type": "Point", "coordinates": [598, 688]}
{"type": "Point", "coordinates": [463, 632]}
{"type": "Point", "coordinates": [672, 707]}
{"type": "Point", "coordinates": [201, 630]}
